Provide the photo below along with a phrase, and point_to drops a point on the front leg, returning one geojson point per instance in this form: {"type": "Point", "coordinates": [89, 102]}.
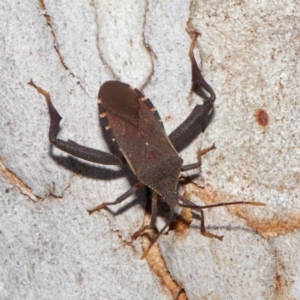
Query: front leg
{"type": "Point", "coordinates": [71, 147]}
{"type": "Point", "coordinates": [193, 122]}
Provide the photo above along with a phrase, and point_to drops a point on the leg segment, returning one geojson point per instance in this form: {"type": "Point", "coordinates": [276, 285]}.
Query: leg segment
{"type": "Point", "coordinates": [153, 217]}
{"type": "Point", "coordinates": [193, 122]}
{"type": "Point", "coordinates": [189, 204]}
{"type": "Point", "coordinates": [70, 146]}
{"type": "Point", "coordinates": [170, 219]}
{"type": "Point", "coordinates": [198, 164]}
{"type": "Point", "coordinates": [197, 78]}
{"type": "Point", "coordinates": [118, 200]}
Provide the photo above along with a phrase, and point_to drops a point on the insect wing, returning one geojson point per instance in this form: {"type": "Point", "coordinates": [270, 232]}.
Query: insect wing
{"type": "Point", "coordinates": [137, 129]}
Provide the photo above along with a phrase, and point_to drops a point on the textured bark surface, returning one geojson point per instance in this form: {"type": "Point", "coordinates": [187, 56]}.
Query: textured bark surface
{"type": "Point", "coordinates": [50, 248]}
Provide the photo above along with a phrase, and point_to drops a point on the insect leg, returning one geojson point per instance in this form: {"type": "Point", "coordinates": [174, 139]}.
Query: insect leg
{"type": "Point", "coordinates": [199, 154]}
{"type": "Point", "coordinates": [197, 77]}
{"type": "Point", "coordinates": [193, 122]}
{"type": "Point", "coordinates": [130, 192]}
{"type": "Point", "coordinates": [189, 204]}
{"type": "Point", "coordinates": [170, 219]}
{"type": "Point", "coordinates": [153, 217]}
{"type": "Point", "coordinates": [70, 146]}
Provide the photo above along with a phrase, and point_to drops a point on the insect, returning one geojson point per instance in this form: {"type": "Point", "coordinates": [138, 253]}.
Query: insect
{"type": "Point", "coordinates": [135, 125]}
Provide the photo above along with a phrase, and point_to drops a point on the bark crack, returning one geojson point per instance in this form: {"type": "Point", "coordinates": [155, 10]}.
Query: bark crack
{"type": "Point", "coordinates": [55, 43]}
{"type": "Point", "coordinates": [17, 182]}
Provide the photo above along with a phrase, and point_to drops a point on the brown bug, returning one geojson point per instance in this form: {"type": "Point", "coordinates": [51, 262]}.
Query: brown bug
{"type": "Point", "coordinates": [138, 130]}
